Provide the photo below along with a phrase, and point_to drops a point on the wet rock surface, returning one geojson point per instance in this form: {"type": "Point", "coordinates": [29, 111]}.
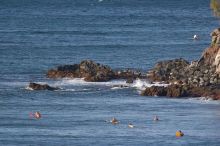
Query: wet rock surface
{"type": "Point", "coordinates": [92, 72]}
{"type": "Point", "coordinates": [198, 78]}
{"type": "Point", "coordinates": [186, 79]}
{"type": "Point", "coordinates": [168, 70]}
{"type": "Point", "coordinates": [174, 90]}
{"type": "Point", "coordinates": [89, 70]}
{"type": "Point", "coordinates": [35, 86]}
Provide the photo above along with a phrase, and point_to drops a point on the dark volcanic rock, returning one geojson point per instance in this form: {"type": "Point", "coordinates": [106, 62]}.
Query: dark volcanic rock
{"type": "Point", "coordinates": [170, 70]}
{"type": "Point", "coordinates": [200, 78]}
{"type": "Point", "coordinates": [204, 72]}
{"type": "Point", "coordinates": [183, 91]}
{"type": "Point", "coordinates": [155, 91]}
{"type": "Point", "coordinates": [35, 86]}
{"type": "Point", "coordinates": [87, 69]}
{"type": "Point", "coordinates": [129, 75]}
{"type": "Point", "coordinates": [92, 72]}
{"type": "Point", "coordinates": [95, 72]}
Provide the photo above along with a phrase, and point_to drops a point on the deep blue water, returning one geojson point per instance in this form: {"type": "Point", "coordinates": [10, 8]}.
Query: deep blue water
{"type": "Point", "coordinates": [38, 35]}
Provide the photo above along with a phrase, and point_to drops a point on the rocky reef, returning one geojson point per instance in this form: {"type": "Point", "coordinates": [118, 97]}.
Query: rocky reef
{"type": "Point", "coordinates": [88, 70]}
{"type": "Point", "coordinates": [185, 79]}
{"type": "Point", "coordinates": [35, 86]}
{"type": "Point", "coordinates": [198, 78]}
{"type": "Point", "coordinates": [175, 90]}
{"type": "Point", "coordinates": [92, 72]}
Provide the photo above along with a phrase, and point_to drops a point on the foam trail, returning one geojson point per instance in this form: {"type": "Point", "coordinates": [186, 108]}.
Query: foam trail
{"type": "Point", "coordinates": [28, 88]}
{"type": "Point", "coordinates": [204, 100]}
{"type": "Point", "coordinates": [81, 82]}
{"type": "Point", "coordinates": [141, 84]}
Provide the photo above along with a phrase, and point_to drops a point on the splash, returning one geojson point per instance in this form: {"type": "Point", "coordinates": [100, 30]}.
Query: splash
{"type": "Point", "coordinates": [141, 84]}
{"type": "Point", "coordinates": [81, 82]}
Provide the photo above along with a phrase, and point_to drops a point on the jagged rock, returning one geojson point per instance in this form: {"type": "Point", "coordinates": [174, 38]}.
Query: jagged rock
{"type": "Point", "coordinates": [168, 70]}
{"type": "Point", "coordinates": [215, 36]}
{"type": "Point", "coordinates": [92, 72]}
{"type": "Point", "coordinates": [183, 91]}
{"type": "Point", "coordinates": [129, 74]}
{"type": "Point", "coordinates": [203, 72]}
{"type": "Point", "coordinates": [35, 86]}
{"type": "Point", "coordinates": [154, 91]}
{"type": "Point", "coordinates": [89, 70]}
{"type": "Point", "coordinates": [200, 78]}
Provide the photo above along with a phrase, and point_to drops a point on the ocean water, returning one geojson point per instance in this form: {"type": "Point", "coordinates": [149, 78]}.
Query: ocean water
{"type": "Point", "coordinates": [38, 35]}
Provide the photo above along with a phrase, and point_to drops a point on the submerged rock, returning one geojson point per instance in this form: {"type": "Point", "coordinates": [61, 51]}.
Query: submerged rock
{"type": "Point", "coordinates": [35, 86]}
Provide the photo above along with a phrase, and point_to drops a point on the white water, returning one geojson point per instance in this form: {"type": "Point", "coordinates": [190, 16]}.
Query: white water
{"type": "Point", "coordinates": [79, 85]}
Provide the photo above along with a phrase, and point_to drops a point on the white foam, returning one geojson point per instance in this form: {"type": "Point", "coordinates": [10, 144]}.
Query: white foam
{"type": "Point", "coordinates": [81, 82]}
{"type": "Point", "coordinates": [141, 84]}
{"type": "Point", "coordinates": [118, 87]}
{"type": "Point", "coordinates": [28, 88]}
{"type": "Point", "coordinates": [203, 100]}
{"type": "Point", "coordinates": [75, 90]}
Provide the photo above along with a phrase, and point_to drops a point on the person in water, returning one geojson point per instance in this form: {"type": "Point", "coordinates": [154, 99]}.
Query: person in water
{"type": "Point", "coordinates": [179, 133]}
{"type": "Point", "coordinates": [114, 121]}
{"type": "Point", "coordinates": [36, 115]}
{"type": "Point", "coordinates": [130, 125]}
{"type": "Point", "coordinates": [156, 118]}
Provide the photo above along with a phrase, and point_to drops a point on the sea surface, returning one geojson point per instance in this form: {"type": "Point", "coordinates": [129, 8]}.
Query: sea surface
{"type": "Point", "coordinates": [37, 35]}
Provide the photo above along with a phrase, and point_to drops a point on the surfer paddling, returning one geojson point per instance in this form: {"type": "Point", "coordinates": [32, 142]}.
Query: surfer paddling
{"type": "Point", "coordinates": [36, 115]}
{"type": "Point", "coordinates": [114, 121]}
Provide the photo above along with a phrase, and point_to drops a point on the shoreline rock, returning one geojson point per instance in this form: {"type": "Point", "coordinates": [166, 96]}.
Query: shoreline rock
{"type": "Point", "coordinates": [35, 86]}
{"type": "Point", "coordinates": [177, 91]}
{"type": "Point", "coordinates": [89, 70]}
{"type": "Point", "coordinates": [198, 78]}
{"type": "Point", "coordinates": [92, 72]}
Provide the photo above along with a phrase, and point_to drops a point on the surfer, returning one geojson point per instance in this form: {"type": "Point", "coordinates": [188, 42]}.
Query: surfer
{"type": "Point", "coordinates": [130, 125]}
{"type": "Point", "coordinates": [179, 133]}
{"type": "Point", "coordinates": [114, 121]}
{"type": "Point", "coordinates": [156, 118]}
{"type": "Point", "coordinates": [36, 115]}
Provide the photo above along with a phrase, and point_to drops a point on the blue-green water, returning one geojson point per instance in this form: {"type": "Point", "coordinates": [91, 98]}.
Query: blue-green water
{"type": "Point", "coordinates": [38, 35]}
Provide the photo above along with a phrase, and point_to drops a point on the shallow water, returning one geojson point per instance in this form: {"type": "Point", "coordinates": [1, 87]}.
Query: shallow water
{"type": "Point", "coordinates": [37, 36]}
